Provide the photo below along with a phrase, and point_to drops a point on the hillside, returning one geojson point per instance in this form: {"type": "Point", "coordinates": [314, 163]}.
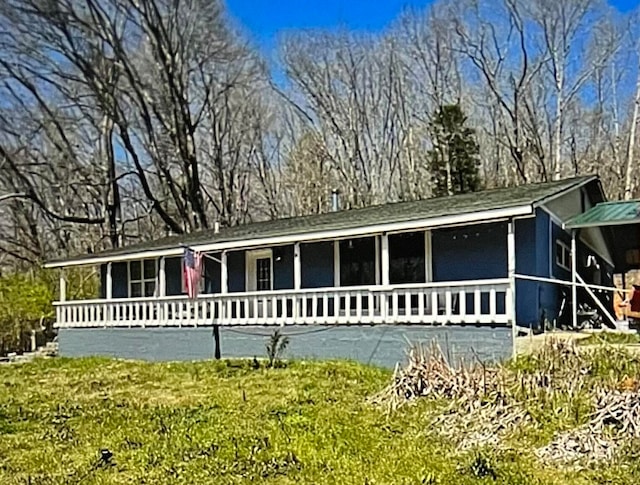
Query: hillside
{"type": "Point", "coordinates": [105, 421]}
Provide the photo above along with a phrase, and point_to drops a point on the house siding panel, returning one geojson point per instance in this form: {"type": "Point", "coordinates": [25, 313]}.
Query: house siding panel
{"type": "Point", "coordinates": [317, 264]}
{"type": "Point", "coordinates": [527, 292]}
{"type": "Point", "coordinates": [470, 253]}
{"type": "Point", "coordinates": [548, 293]}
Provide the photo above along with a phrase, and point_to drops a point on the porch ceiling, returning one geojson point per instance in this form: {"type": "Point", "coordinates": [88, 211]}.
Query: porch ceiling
{"type": "Point", "coordinates": [375, 217]}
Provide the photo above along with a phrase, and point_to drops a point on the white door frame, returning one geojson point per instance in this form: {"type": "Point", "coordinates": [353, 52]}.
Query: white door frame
{"type": "Point", "coordinates": [251, 268]}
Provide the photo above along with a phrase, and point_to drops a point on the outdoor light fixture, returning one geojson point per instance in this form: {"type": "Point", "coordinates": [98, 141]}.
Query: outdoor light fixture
{"type": "Point", "coordinates": [278, 255]}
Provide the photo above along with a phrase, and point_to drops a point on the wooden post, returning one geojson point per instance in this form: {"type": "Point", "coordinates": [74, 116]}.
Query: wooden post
{"type": "Point", "coordinates": [511, 270]}
{"type": "Point", "coordinates": [63, 286]}
{"type": "Point", "coordinates": [224, 285]}
{"type": "Point", "coordinates": [384, 277]}
{"type": "Point", "coordinates": [384, 266]}
{"type": "Point", "coordinates": [297, 267]}
{"type": "Point", "coordinates": [377, 256]}
{"type": "Point", "coordinates": [108, 291]}
{"type": "Point", "coordinates": [297, 280]}
{"type": "Point", "coordinates": [224, 275]}
{"type": "Point", "coordinates": [162, 277]}
{"type": "Point", "coordinates": [574, 285]}
{"type": "Point", "coordinates": [216, 341]}
{"type": "Point", "coordinates": [336, 263]}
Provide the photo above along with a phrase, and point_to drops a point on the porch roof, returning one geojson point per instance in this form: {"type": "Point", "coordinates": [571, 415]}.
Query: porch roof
{"type": "Point", "coordinates": [608, 214]}
{"type": "Point", "coordinates": [620, 222]}
{"type": "Point", "coordinates": [478, 206]}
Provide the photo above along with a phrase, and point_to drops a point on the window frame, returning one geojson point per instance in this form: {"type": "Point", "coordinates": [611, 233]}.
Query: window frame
{"type": "Point", "coordinates": [142, 281]}
{"type": "Point", "coordinates": [563, 255]}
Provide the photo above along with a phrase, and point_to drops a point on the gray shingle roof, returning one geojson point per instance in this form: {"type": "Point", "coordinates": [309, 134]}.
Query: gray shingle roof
{"type": "Point", "coordinates": [356, 218]}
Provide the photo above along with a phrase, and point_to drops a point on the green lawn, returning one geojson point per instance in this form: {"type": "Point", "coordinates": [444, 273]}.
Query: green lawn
{"type": "Point", "coordinates": [226, 422]}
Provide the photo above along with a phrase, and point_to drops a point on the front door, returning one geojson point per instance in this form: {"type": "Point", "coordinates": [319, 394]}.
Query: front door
{"type": "Point", "coordinates": [259, 270]}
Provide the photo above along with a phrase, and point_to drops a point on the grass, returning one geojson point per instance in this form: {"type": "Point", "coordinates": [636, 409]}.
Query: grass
{"type": "Point", "coordinates": [228, 422]}
{"type": "Point", "coordinates": [613, 338]}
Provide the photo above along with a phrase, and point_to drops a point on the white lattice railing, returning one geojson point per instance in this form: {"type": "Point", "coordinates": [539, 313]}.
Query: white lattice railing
{"type": "Point", "coordinates": [482, 301]}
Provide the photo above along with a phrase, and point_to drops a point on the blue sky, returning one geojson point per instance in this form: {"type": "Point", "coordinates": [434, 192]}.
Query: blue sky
{"type": "Point", "coordinates": [264, 19]}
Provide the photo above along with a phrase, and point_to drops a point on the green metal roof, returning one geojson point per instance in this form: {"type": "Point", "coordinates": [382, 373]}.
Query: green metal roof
{"type": "Point", "coordinates": [608, 214]}
{"type": "Point", "coordinates": [358, 218]}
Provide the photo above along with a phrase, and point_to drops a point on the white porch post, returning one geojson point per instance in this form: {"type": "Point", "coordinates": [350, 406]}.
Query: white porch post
{"type": "Point", "coordinates": [162, 277]}
{"type": "Point", "coordinates": [377, 255]}
{"type": "Point", "coordinates": [428, 256]}
{"type": "Point", "coordinates": [224, 285]}
{"type": "Point", "coordinates": [297, 279]}
{"type": "Point", "coordinates": [384, 269]}
{"type": "Point", "coordinates": [385, 259]}
{"type": "Point", "coordinates": [224, 275]}
{"type": "Point", "coordinates": [108, 291]}
{"type": "Point", "coordinates": [297, 267]}
{"type": "Point", "coordinates": [63, 286]}
{"type": "Point", "coordinates": [336, 263]}
{"type": "Point", "coordinates": [61, 311]}
{"type": "Point", "coordinates": [511, 270]}
{"type": "Point", "coordinates": [574, 287]}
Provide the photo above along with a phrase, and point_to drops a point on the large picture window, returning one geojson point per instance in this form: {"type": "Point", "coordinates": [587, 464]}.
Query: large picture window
{"type": "Point", "coordinates": [358, 262]}
{"type": "Point", "coordinates": [142, 277]}
{"type": "Point", "coordinates": [407, 258]}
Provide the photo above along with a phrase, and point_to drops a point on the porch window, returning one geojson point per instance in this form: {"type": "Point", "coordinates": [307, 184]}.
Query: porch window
{"type": "Point", "coordinates": [358, 262]}
{"type": "Point", "coordinates": [142, 277]}
{"type": "Point", "coordinates": [406, 258]}
{"type": "Point", "coordinates": [563, 255]}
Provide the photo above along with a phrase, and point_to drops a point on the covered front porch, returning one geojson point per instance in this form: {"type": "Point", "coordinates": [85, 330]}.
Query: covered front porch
{"type": "Point", "coordinates": [460, 274]}
{"type": "Point", "coordinates": [474, 302]}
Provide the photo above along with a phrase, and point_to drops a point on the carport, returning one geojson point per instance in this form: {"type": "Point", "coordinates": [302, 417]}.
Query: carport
{"type": "Point", "coordinates": [620, 225]}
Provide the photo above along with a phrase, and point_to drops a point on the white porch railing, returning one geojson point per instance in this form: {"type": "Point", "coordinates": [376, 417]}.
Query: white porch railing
{"type": "Point", "coordinates": [481, 302]}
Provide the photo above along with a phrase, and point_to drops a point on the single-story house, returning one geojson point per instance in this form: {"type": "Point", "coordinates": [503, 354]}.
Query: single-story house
{"type": "Point", "coordinates": [441, 261]}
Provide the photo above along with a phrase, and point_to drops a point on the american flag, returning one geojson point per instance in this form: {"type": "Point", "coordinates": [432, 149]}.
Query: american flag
{"type": "Point", "coordinates": [192, 267]}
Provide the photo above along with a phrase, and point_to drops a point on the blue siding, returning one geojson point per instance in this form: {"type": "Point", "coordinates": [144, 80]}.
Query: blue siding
{"type": "Point", "coordinates": [549, 293]}
{"type": "Point", "coordinates": [470, 253]}
{"type": "Point", "coordinates": [317, 264]}
{"type": "Point", "coordinates": [527, 292]}
{"type": "Point", "coordinates": [535, 301]}
{"type": "Point", "coordinates": [236, 265]}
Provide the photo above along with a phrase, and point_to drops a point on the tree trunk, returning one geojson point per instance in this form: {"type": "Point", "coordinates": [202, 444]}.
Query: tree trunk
{"type": "Point", "coordinates": [628, 180]}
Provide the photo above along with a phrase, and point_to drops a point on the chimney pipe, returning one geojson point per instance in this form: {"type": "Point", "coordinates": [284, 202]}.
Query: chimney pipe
{"type": "Point", "coordinates": [216, 227]}
{"type": "Point", "coordinates": [335, 200]}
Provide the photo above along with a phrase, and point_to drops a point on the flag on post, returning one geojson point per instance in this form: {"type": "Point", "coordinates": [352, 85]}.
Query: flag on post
{"type": "Point", "coordinates": [192, 271]}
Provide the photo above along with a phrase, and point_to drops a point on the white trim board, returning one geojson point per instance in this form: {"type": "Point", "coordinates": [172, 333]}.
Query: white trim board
{"type": "Point", "coordinates": [428, 223]}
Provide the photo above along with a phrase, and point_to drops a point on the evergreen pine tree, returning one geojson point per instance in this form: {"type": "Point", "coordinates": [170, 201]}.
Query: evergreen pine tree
{"type": "Point", "coordinates": [454, 159]}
